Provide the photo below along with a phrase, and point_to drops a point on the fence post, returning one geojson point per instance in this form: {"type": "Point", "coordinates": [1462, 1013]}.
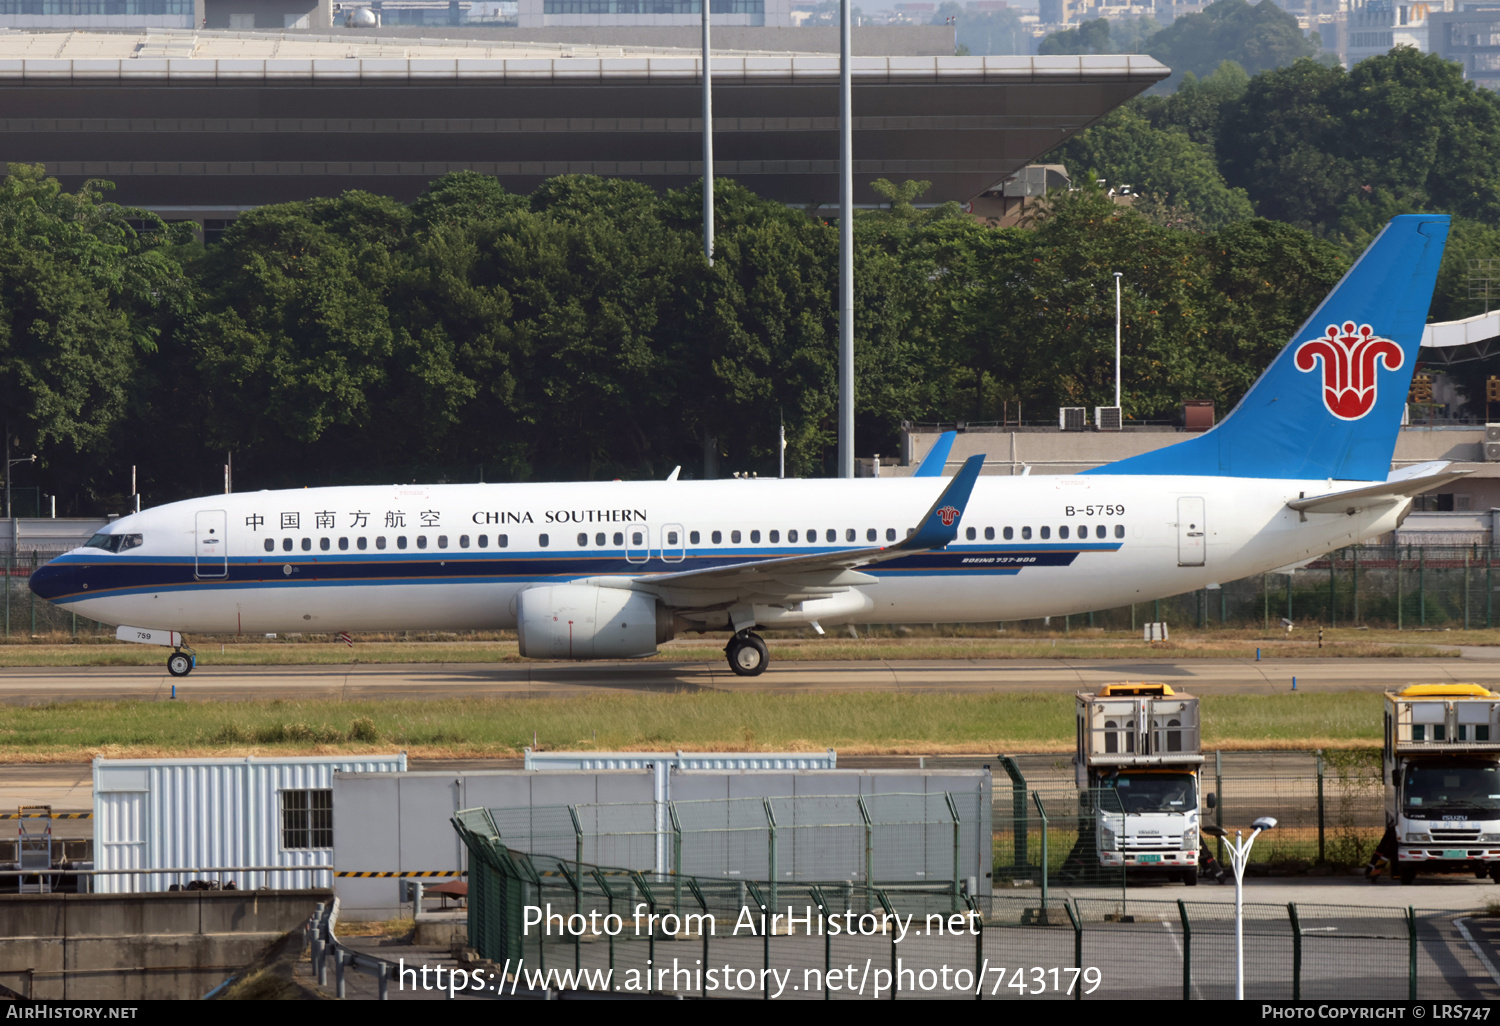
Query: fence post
{"type": "Point", "coordinates": [577, 881]}
{"type": "Point", "coordinates": [1466, 591]}
{"type": "Point", "coordinates": [1046, 866]}
{"type": "Point", "coordinates": [338, 973]}
{"type": "Point", "coordinates": [953, 811]}
{"type": "Point", "coordinates": [1018, 804]}
{"type": "Point", "coordinates": [1219, 804]}
{"type": "Point", "coordinates": [1422, 586]}
{"type": "Point", "coordinates": [1400, 593]}
{"type": "Point", "coordinates": [385, 981]}
{"type": "Point", "coordinates": [817, 896]}
{"type": "Point", "coordinates": [1356, 586]}
{"type": "Point", "coordinates": [705, 934]}
{"type": "Point", "coordinates": [771, 849]}
{"type": "Point", "coordinates": [1332, 573]}
{"type": "Point", "coordinates": [975, 914]}
{"type": "Point", "coordinates": [1411, 953]}
{"type": "Point", "coordinates": [1321, 818]}
{"type": "Point", "coordinates": [609, 897]}
{"type": "Point", "coordinates": [1187, 951]}
{"type": "Point", "coordinates": [1291, 910]}
{"type": "Point", "coordinates": [676, 856]}
{"type": "Point", "coordinates": [1489, 590]}
{"type": "Point", "coordinates": [1077, 920]}
{"type": "Point", "coordinates": [885, 903]}
{"type": "Point", "coordinates": [864, 814]}
{"type": "Point", "coordinates": [33, 595]}
{"type": "Point", "coordinates": [1289, 577]}
{"type": "Point", "coordinates": [10, 568]}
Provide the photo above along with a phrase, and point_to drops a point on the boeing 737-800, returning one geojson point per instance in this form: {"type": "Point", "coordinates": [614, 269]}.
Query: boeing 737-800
{"type": "Point", "coordinates": [606, 570]}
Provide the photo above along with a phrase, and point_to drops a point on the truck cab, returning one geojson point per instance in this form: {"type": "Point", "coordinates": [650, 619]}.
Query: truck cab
{"type": "Point", "coordinates": [1441, 770]}
{"type": "Point", "coordinates": [1138, 762]}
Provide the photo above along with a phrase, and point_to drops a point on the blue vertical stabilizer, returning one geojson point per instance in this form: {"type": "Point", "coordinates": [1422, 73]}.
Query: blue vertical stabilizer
{"type": "Point", "coordinates": [1330, 404]}
{"type": "Point", "coordinates": [937, 457]}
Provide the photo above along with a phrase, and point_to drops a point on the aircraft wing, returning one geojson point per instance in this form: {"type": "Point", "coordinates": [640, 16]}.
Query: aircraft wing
{"type": "Point", "coordinates": [1402, 485]}
{"type": "Point", "coordinates": [937, 528]}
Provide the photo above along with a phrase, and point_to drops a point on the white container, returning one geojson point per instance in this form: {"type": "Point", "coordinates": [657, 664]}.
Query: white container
{"type": "Point", "coordinates": [252, 821]}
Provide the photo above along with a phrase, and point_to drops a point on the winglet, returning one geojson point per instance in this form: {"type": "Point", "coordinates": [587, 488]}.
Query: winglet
{"type": "Point", "coordinates": [937, 457]}
{"type": "Point", "coordinates": [940, 525]}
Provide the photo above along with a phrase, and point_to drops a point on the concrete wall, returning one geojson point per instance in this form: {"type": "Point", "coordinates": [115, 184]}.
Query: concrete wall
{"type": "Point", "coordinates": [142, 946]}
{"type": "Point", "coordinates": [400, 822]}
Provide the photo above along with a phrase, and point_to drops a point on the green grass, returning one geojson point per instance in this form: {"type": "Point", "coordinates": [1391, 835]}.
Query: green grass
{"type": "Point", "coordinates": [835, 647]}
{"type": "Point", "coordinates": [928, 723]}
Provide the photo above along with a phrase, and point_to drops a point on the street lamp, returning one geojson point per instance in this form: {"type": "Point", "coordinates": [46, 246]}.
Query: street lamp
{"type": "Point", "coordinates": [8, 464]}
{"type": "Point", "coordinates": [1239, 854]}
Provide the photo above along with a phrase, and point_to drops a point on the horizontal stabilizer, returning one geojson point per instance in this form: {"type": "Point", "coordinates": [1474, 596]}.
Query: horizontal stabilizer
{"type": "Point", "coordinates": [1383, 494]}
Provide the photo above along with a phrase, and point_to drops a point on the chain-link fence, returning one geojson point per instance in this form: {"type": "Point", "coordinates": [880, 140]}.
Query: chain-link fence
{"type": "Point", "coordinates": [25, 615]}
{"type": "Point", "coordinates": [895, 840]}
{"type": "Point", "coordinates": [551, 922]}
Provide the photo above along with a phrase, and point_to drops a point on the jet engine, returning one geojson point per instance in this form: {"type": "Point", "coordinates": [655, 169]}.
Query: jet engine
{"type": "Point", "coordinates": [582, 621]}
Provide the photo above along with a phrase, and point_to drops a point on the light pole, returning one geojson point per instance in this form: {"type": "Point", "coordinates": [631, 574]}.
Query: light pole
{"type": "Point", "coordinates": [1239, 854]}
{"type": "Point", "coordinates": [1117, 347]}
{"type": "Point", "coordinates": [8, 464]}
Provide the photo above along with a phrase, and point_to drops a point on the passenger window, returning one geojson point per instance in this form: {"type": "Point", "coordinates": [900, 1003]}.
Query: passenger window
{"type": "Point", "coordinates": [1009, 533]}
{"type": "Point", "coordinates": [870, 534]}
{"type": "Point", "coordinates": [734, 536]}
{"type": "Point", "coordinates": [323, 544]}
{"type": "Point", "coordinates": [343, 544]}
{"type": "Point", "coordinates": [1119, 530]}
{"type": "Point", "coordinates": [463, 541]}
{"type": "Point", "coordinates": [380, 542]}
{"type": "Point", "coordinates": [543, 541]}
{"type": "Point", "coordinates": [442, 541]}
{"type": "Point", "coordinates": [400, 541]}
{"type": "Point", "coordinates": [421, 541]}
{"type": "Point", "coordinates": [791, 536]}
{"type": "Point", "coordinates": [1101, 531]}
{"type": "Point", "coordinates": [501, 540]}
{"type": "Point", "coordinates": [849, 534]}
{"type": "Point", "coordinates": [672, 538]}
{"type": "Point", "coordinates": [583, 540]}
{"type": "Point", "coordinates": [599, 539]}
{"type": "Point", "coordinates": [620, 535]}
{"type": "Point", "coordinates": [754, 537]}
{"type": "Point", "coordinates": [1062, 532]}
{"type": "Point", "coordinates": [286, 545]}
{"type": "Point", "coordinates": [989, 534]}
{"type": "Point", "coordinates": [970, 533]}
{"type": "Point", "coordinates": [831, 536]}
{"type": "Point", "coordinates": [717, 536]}
{"type": "Point", "coordinates": [361, 543]}
{"type": "Point", "coordinates": [775, 536]}
{"type": "Point", "coordinates": [636, 537]}
{"type": "Point", "coordinates": [693, 537]}
{"type": "Point", "coordinates": [1026, 534]}
{"type": "Point", "coordinates": [1083, 531]}
{"type": "Point", "coordinates": [270, 545]}
{"type": "Point", "coordinates": [890, 532]}
{"type": "Point", "coordinates": [1046, 533]}
{"type": "Point", "coordinates": [306, 544]}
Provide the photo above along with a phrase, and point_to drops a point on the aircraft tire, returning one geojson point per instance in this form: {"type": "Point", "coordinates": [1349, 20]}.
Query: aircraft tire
{"type": "Point", "coordinates": [179, 664]}
{"type": "Point", "coordinates": [747, 654]}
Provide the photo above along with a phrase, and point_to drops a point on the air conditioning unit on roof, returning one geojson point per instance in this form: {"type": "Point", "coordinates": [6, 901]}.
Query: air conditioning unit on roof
{"type": "Point", "coordinates": [1108, 418]}
{"type": "Point", "coordinates": [1072, 418]}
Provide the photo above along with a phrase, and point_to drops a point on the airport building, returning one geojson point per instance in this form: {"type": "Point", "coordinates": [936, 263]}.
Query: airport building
{"type": "Point", "coordinates": [201, 126]}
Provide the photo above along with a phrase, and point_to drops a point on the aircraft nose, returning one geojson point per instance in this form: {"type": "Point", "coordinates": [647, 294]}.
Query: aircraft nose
{"type": "Point", "coordinates": [51, 580]}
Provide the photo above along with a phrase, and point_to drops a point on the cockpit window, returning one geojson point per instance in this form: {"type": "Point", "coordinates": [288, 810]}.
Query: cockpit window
{"type": "Point", "coordinates": [113, 542]}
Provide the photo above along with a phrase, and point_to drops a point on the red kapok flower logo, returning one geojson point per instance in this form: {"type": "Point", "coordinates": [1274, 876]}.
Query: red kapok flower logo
{"type": "Point", "coordinates": [1349, 356]}
{"type": "Point", "coordinates": [948, 515]}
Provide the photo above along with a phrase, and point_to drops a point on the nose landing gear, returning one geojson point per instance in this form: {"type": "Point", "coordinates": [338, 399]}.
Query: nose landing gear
{"type": "Point", "coordinates": [180, 663]}
{"type": "Point", "coordinates": [748, 656]}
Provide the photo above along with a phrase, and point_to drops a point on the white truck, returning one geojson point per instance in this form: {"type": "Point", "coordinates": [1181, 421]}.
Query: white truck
{"type": "Point", "coordinates": [1138, 762]}
{"type": "Point", "coordinates": [1442, 780]}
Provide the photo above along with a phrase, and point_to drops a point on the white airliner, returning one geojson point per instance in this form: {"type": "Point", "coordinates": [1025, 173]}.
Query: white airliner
{"type": "Point", "coordinates": [607, 570]}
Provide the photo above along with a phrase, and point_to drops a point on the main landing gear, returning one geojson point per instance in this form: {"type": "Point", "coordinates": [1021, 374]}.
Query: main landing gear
{"type": "Point", "coordinates": [180, 663]}
{"type": "Point", "coordinates": [747, 654]}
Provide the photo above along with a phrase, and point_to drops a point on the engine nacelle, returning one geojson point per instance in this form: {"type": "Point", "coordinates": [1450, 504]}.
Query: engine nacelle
{"type": "Point", "coordinates": [581, 621]}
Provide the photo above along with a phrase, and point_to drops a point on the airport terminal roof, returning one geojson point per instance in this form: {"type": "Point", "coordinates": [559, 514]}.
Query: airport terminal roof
{"type": "Point", "coordinates": [251, 118]}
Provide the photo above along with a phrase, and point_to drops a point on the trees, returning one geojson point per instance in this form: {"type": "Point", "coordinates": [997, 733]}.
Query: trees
{"type": "Point", "coordinates": [1256, 38]}
{"type": "Point", "coordinates": [1126, 149]}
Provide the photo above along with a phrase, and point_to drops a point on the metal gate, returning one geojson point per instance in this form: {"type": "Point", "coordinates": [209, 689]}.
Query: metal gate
{"type": "Point", "coordinates": [1191, 532]}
